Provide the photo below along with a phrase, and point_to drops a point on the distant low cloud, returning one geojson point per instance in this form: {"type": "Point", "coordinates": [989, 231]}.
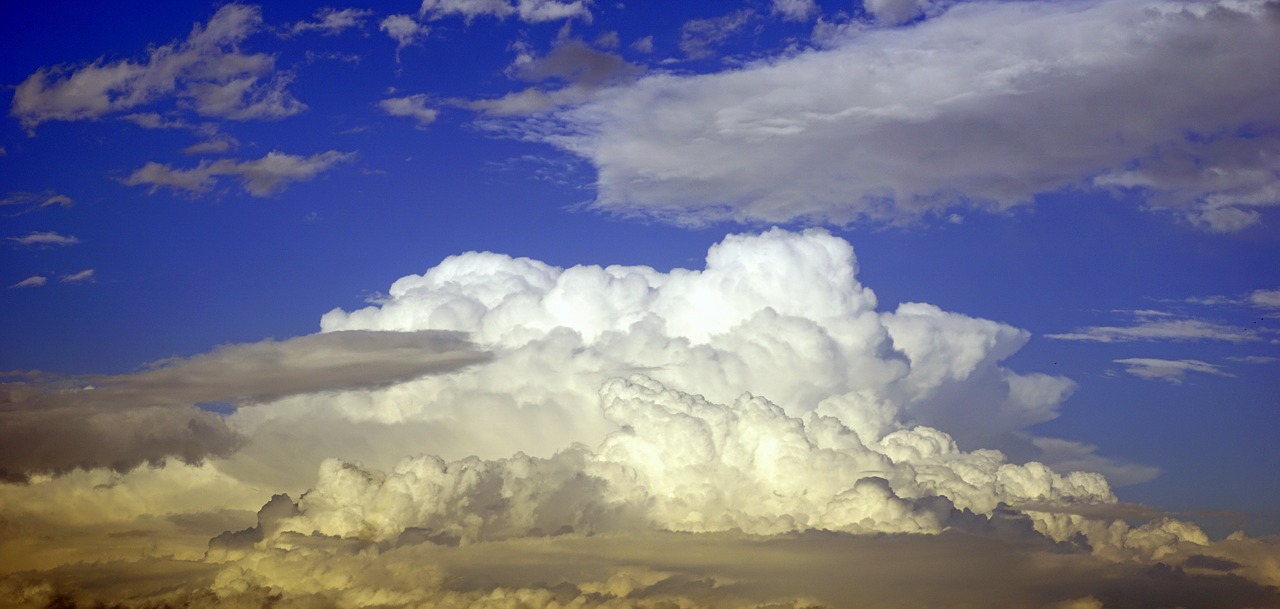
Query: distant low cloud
{"type": "Point", "coordinates": [84, 276]}
{"type": "Point", "coordinates": [33, 281]}
{"type": "Point", "coordinates": [260, 178]}
{"type": "Point", "coordinates": [206, 72]}
{"type": "Point", "coordinates": [45, 238]}
{"type": "Point", "coordinates": [331, 22]}
{"type": "Point", "coordinates": [978, 105]}
{"type": "Point", "coordinates": [894, 12]}
{"type": "Point", "coordinates": [1172, 371]}
{"type": "Point", "coordinates": [529, 11]}
{"type": "Point", "coordinates": [1159, 326]}
{"type": "Point", "coordinates": [411, 106]}
{"type": "Point", "coordinates": [122, 421]}
{"type": "Point", "coordinates": [1265, 299]}
{"type": "Point", "coordinates": [26, 202]}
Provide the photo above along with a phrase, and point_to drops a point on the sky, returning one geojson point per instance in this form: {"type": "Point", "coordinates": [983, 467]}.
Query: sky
{"type": "Point", "coordinates": [574, 303]}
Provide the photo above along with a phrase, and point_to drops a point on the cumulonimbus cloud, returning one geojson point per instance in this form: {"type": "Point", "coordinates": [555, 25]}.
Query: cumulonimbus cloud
{"type": "Point", "coordinates": [986, 105]}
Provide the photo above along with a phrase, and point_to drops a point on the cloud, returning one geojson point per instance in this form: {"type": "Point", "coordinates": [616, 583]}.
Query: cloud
{"type": "Point", "coordinates": [260, 178]}
{"type": "Point", "coordinates": [700, 37]}
{"type": "Point", "coordinates": [1265, 299]}
{"type": "Point", "coordinates": [1255, 359]}
{"type": "Point", "coordinates": [751, 433]}
{"type": "Point", "coordinates": [574, 65]}
{"type": "Point", "coordinates": [528, 11]}
{"type": "Point", "coordinates": [1160, 326]}
{"type": "Point", "coordinates": [206, 73]}
{"type": "Point", "coordinates": [985, 105]}
{"type": "Point", "coordinates": [84, 276]}
{"type": "Point", "coordinates": [411, 106]}
{"type": "Point", "coordinates": [215, 145]}
{"type": "Point", "coordinates": [1172, 371]}
{"type": "Point", "coordinates": [403, 29]}
{"type": "Point", "coordinates": [795, 10]}
{"type": "Point", "coordinates": [894, 12]}
{"type": "Point", "coordinates": [33, 281]}
{"type": "Point", "coordinates": [122, 421]}
{"type": "Point", "coordinates": [45, 238]}
{"type": "Point", "coordinates": [31, 201]}
{"type": "Point", "coordinates": [331, 22]}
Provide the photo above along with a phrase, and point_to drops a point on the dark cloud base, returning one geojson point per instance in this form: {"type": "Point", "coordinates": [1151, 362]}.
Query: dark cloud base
{"type": "Point", "coordinates": [658, 569]}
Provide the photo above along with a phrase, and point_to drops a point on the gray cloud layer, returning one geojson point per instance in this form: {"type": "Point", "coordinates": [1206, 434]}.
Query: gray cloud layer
{"type": "Point", "coordinates": [987, 104]}
{"type": "Point", "coordinates": [122, 421]}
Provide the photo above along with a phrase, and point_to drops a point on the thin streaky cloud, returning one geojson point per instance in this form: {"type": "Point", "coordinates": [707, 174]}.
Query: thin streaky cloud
{"type": "Point", "coordinates": [45, 238]}
{"type": "Point", "coordinates": [84, 276]}
{"type": "Point", "coordinates": [33, 281]}
{"type": "Point", "coordinates": [260, 178]}
{"type": "Point", "coordinates": [1170, 371]}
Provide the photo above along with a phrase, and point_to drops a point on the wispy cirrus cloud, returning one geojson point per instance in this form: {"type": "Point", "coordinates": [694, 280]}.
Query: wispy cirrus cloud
{"type": "Point", "coordinates": [45, 238]}
{"type": "Point", "coordinates": [331, 22]}
{"type": "Point", "coordinates": [1161, 326]}
{"type": "Point", "coordinates": [1171, 371]}
{"type": "Point", "coordinates": [260, 177]}
{"type": "Point", "coordinates": [85, 276]}
{"type": "Point", "coordinates": [33, 281]}
{"type": "Point", "coordinates": [26, 202]}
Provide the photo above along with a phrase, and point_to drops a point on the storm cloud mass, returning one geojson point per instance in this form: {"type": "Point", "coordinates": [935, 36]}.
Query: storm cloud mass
{"type": "Point", "coordinates": [711, 437]}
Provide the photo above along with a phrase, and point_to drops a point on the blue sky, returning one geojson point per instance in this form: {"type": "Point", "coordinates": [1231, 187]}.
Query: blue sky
{"type": "Point", "coordinates": [1102, 175]}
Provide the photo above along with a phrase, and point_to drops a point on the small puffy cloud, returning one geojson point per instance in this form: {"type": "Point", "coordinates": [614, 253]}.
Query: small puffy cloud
{"type": "Point", "coordinates": [331, 22]}
{"type": "Point", "coordinates": [528, 11]}
{"type": "Point", "coordinates": [1265, 299]}
{"type": "Point", "coordinates": [700, 37]}
{"type": "Point", "coordinates": [206, 72]}
{"type": "Point", "coordinates": [261, 177]}
{"type": "Point", "coordinates": [122, 421]}
{"type": "Point", "coordinates": [411, 106]}
{"type": "Point", "coordinates": [84, 276]}
{"type": "Point", "coordinates": [403, 29]}
{"type": "Point", "coordinates": [45, 238]}
{"type": "Point", "coordinates": [643, 45]}
{"type": "Point", "coordinates": [983, 105]}
{"type": "Point", "coordinates": [1172, 371]}
{"type": "Point", "coordinates": [1160, 326]}
{"type": "Point", "coordinates": [33, 281]}
{"type": "Point", "coordinates": [25, 202]}
{"type": "Point", "coordinates": [795, 10]}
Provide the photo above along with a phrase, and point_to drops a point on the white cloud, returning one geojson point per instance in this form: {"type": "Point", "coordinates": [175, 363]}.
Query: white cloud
{"type": "Point", "coordinates": [33, 281]}
{"type": "Point", "coordinates": [45, 238]}
{"type": "Point", "coordinates": [795, 10]}
{"type": "Point", "coordinates": [215, 145]}
{"type": "Point", "coordinates": [1255, 359]}
{"type": "Point", "coordinates": [894, 12]}
{"type": "Point", "coordinates": [261, 177]}
{"type": "Point", "coordinates": [206, 72]}
{"type": "Point", "coordinates": [331, 22]}
{"type": "Point", "coordinates": [643, 45]}
{"type": "Point", "coordinates": [984, 105]}
{"type": "Point", "coordinates": [84, 276]}
{"type": "Point", "coordinates": [1172, 371]}
{"type": "Point", "coordinates": [700, 37]}
{"type": "Point", "coordinates": [1265, 299]}
{"type": "Point", "coordinates": [411, 106]}
{"type": "Point", "coordinates": [1152, 328]}
{"type": "Point", "coordinates": [403, 29]}
{"type": "Point", "coordinates": [529, 11]}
